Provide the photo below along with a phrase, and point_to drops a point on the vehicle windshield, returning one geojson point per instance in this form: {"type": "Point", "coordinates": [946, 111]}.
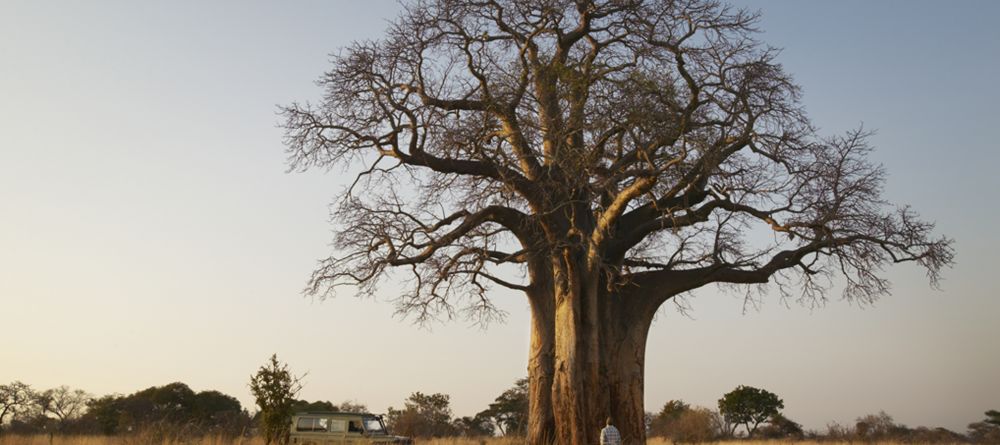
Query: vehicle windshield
{"type": "Point", "coordinates": [374, 425]}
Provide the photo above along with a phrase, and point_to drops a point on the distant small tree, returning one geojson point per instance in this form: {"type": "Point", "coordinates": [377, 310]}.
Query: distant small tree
{"type": "Point", "coordinates": [219, 413]}
{"type": "Point", "coordinates": [663, 422]}
{"type": "Point", "coordinates": [347, 406]}
{"type": "Point", "coordinates": [479, 425]}
{"type": "Point", "coordinates": [927, 435]}
{"type": "Point", "coordinates": [104, 413]}
{"type": "Point", "coordinates": [838, 432]}
{"type": "Point", "coordinates": [509, 412]}
{"type": "Point", "coordinates": [719, 424]}
{"type": "Point", "coordinates": [173, 403]}
{"type": "Point", "coordinates": [64, 403]}
{"type": "Point", "coordinates": [993, 417]}
{"type": "Point", "coordinates": [352, 406]}
{"type": "Point", "coordinates": [749, 406]}
{"type": "Point", "coordinates": [423, 415]}
{"type": "Point", "coordinates": [15, 397]}
{"type": "Point", "coordinates": [274, 388]}
{"type": "Point", "coordinates": [781, 427]}
{"type": "Point", "coordinates": [31, 418]}
{"type": "Point", "coordinates": [207, 403]}
{"type": "Point", "coordinates": [987, 430]}
{"type": "Point", "coordinates": [319, 405]}
{"type": "Point", "coordinates": [694, 425]}
{"type": "Point", "coordinates": [874, 427]}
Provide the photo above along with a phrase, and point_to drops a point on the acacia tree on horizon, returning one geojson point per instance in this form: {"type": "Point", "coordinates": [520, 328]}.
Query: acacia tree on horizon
{"type": "Point", "coordinates": [602, 157]}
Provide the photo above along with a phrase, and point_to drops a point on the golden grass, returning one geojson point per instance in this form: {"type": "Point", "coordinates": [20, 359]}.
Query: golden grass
{"type": "Point", "coordinates": [651, 441]}
{"type": "Point", "coordinates": [137, 439]}
{"type": "Point", "coordinates": [142, 439]}
{"type": "Point", "coordinates": [469, 441]}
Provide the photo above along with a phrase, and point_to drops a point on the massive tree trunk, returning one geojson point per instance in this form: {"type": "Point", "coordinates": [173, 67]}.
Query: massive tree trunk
{"type": "Point", "coordinates": [587, 359]}
{"type": "Point", "coordinates": [625, 326]}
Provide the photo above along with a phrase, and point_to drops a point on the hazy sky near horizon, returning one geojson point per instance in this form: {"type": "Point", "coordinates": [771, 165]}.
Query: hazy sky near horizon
{"type": "Point", "coordinates": [149, 232]}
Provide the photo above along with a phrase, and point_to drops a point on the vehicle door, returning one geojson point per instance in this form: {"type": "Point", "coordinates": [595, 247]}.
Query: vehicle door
{"type": "Point", "coordinates": [354, 434]}
{"type": "Point", "coordinates": [315, 430]}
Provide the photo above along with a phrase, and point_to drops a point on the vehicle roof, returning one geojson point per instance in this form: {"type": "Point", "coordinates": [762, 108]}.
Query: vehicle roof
{"type": "Point", "coordinates": [330, 413]}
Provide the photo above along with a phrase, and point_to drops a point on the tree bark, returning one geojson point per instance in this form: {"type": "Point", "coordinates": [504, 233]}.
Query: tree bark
{"type": "Point", "coordinates": [577, 391]}
{"type": "Point", "coordinates": [625, 326]}
{"type": "Point", "coordinates": [587, 359]}
{"type": "Point", "coordinates": [587, 352]}
{"type": "Point", "coordinates": [541, 422]}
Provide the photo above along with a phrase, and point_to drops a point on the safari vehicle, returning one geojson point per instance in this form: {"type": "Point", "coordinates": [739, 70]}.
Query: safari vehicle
{"type": "Point", "coordinates": [340, 428]}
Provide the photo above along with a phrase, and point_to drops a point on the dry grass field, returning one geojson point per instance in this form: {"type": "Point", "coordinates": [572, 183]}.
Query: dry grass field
{"type": "Point", "coordinates": [212, 440]}
{"type": "Point", "coordinates": [139, 439]}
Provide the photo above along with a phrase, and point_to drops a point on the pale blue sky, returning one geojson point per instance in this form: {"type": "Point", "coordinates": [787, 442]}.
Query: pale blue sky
{"type": "Point", "coordinates": [150, 234]}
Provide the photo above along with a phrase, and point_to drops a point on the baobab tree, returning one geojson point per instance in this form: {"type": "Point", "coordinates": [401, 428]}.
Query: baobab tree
{"type": "Point", "coordinates": [603, 158]}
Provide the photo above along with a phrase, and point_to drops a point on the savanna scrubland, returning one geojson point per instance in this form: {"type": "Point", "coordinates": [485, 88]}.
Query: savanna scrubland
{"type": "Point", "coordinates": [174, 414]}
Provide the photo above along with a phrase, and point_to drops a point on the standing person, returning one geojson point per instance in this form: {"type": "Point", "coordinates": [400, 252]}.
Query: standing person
{"type": "Point", "coordinates": [610, 435]}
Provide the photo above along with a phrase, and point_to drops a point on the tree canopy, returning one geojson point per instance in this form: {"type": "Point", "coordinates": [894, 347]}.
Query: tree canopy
{"type": "Point", "coordinates": [509, 411]}
{"type": "Point", "coordinates": [750, 407]}
{"type": "Point", "coordinates": [173, 404]}
{"type": "Point", "coordinates": [986, 430]}
{"type": "Point", "coordinates": [423, 415]}
{"type": "Point", "coordinates": [993, 417]}
{"type": "Point", "coordinates": [656, 133]}
{"type": "Point", "coordinates": [664, 421]}
{"type": "Point", "coordinates": [14, 398]}
{"type": "Point", "coordinates": [65, 403]}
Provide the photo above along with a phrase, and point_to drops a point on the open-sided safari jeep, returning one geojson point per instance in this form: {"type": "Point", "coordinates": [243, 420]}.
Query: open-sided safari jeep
{"type": "Point", "coordinates": [339, 428]}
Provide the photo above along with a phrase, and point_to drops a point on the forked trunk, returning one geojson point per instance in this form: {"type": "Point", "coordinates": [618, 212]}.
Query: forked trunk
{"type": "Point", "coordinates": [586, 363]}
